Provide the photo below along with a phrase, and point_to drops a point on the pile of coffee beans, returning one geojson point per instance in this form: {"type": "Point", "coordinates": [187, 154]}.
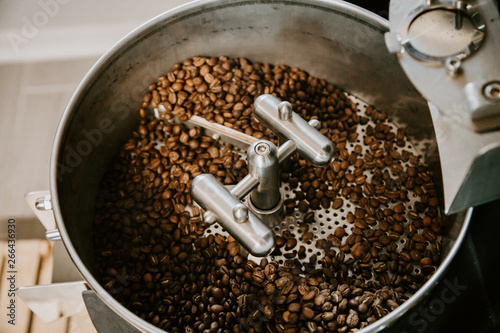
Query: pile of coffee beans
{"type": "Point", "coordinates": [156, 256]}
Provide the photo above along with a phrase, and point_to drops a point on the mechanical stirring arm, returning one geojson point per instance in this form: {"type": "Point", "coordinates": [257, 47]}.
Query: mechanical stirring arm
{"type": "Point", "coordinates": [251, 226]}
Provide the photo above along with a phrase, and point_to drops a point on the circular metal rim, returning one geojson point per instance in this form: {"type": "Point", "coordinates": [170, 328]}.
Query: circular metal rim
{"type": "Point", "coordinates": [474, 45]}
{"type": "Point", "coordinates": [115, 52]}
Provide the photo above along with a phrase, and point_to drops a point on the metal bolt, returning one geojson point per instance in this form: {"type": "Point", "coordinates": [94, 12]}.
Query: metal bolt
{"type": "Point", "coordinates": [53, 235]}
{"type": "Point", "coordinates": [315, 123]}
{"type": "Point", "coordinates": [209, 217]}
{"type": "Point", "coordinates": [285, 111]}
{"type": "Point", "coordinates": [452, 66]}
{"type": "Point", "coordinates": [43, 203]}
{"type": "Point", "coordinates": [262, 148]}
{"type": "Point", "coordinates": [459, 15]}
{"type": "Point", "coordinates": [240, 213]}
{"type": "Point", "coordinates": [393, 42]}
{"type": "Point", "coordinates": [491, 90]}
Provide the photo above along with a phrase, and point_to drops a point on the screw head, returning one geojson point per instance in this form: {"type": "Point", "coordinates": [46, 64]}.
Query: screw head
{"type": "Point", "coordinates": [240, 213]}
{"type": "Point", "coordinates": [262, 148]}
{"type": "Point", "coordinates": [43, 203]}
{"type": "Point", "coordinates": [491, 90]}
{"type": "Point", "coordinates": [453, 66]}
{"type": "Point", "coordinates": [285, 110]}
{"type": "Point", "coordinates": [315, 123]}
{"type": "Point", "coordinates": [209, 217]}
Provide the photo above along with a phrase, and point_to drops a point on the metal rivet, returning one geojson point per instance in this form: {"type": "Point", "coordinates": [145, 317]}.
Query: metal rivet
{"type": "Point", "coordinates": [491, 90]}
{"type": "Point", "coordinates": [452, 66]}
{"type": "Point", "coordinates": [240, 213]}
{"type": "Point", "coordinates": [315, 123]}
{"type": "Point", "coordinates": [43, 203]}
{"type": "Point", "coordinates": [53, 235]}
{"type": "Point", "coordinates": [285, 110]}
{"type": "Point", "coordinates": [209, 217]}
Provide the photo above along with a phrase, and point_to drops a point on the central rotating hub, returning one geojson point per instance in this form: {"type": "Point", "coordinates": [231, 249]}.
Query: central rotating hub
{"type": "Point", "coordinates": [263, 165]}
{"type": "Point", "coordinates": [252, 227]}
{"type": "Point", "coordinates": [262, 148]}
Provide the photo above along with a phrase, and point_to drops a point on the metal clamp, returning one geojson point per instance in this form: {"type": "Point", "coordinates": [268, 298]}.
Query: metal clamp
{"type": "Point", "coordinates": [252, 227]}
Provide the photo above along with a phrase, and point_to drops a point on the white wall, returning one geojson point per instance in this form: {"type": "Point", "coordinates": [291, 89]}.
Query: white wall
{"type": "Point", "coordinates": [39, 30]}
{"type": "Point", "coordinates": [40, 72]}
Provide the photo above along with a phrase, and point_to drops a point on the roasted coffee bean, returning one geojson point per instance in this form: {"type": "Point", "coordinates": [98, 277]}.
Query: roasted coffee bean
{"type": "Point", "coordinates": [290, 244]}
{"type": "Point", "coordinates": [339, 232]}
{"type": "Point", "coordinates": [303, 206]}
{"type": "Point", "coordinates": [309, 217]}
{"type": "Point", "coordinates": [147, 230]}
{"type": "Point", "coordinates": [269, 289]}
{"type": "Point", "coordinates": [258, 276]}
{"type": "Point", "coordinates": [294, 307]}
{"type": "Point", "coordinates": [309, 295]}
{"type": "Point", "coordinates": [307, 313]}
{"type": "Point", "coordinates": [352, 319]}
{"type": "Point", "coordinates": [337, 203]}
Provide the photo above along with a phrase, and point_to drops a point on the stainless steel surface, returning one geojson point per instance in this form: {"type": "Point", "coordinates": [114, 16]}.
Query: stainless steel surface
{"type": "Point", "coordinates": [286, 150]}
{"type": "Point", "coordinates": [270, 217]}
{"type": "Point", "coordinates": [240, 213]}
{"type": "Point", "coordinates": [309, 34]}
{"type": "Point", "coordinates": [245, 186]}
{"type": "Point", "coordinates": [43, 203]}
{"type": "Point", "coordinates": [65, 299]}
{"type": "Point", "coordinates": [311, 144]}
{"type": "Point", "coordinates": [263, 181]}
{"type": "Point", "coordinates": [226, 134]}
{"type": "Point", "coordinates": [465, 120]}
{"type": "Point", "coordinates": [53, 235]}
{"type": "Point", "coordinates": [103, 318]}
{"type": "Point", "coordinates": [453, 66]}
{"type": "Point", "coordinates": [492, 90]}
{"type": "Point", "coordinates": [63, 270]}
{"type": "Point", "coordinates": [263, 165]}
{"type": "Point", "coordinates": [432, 33]}
{"type": "Point", "coordinates": [252, 234]}
{"type": "Point", "coordinates": [40, 204]}
{"type": "Point", "coordinates": [209, 217]}
{"type": "Point", "coordinates": [326, 220]}
{"type": "Point", "coordinates": [285, 111]}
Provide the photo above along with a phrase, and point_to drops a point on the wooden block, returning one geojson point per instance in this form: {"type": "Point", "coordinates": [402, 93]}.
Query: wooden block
{"type": "Point", "coordinates": [45, 277]}
{"type": "Point", "coordinates": [26, 274]}
{"type": "Point", "coordinates": [3, 252]}
{"type": "Point", "coordinates": [34, 266]}
{"type": "Point", "coordinates": [59, 326]}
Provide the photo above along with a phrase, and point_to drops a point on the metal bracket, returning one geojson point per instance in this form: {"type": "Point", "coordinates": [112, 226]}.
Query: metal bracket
{"type": "Point", "coordinates": [53, 301]}
{"type": "Point", "coordinates": [104, 319]}
{"type": "Point", "coordinates": [40, 204]}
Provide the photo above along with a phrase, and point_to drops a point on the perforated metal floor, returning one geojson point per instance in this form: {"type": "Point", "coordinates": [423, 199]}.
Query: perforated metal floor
{"type": "Point", "coordinates": [326, 220]}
